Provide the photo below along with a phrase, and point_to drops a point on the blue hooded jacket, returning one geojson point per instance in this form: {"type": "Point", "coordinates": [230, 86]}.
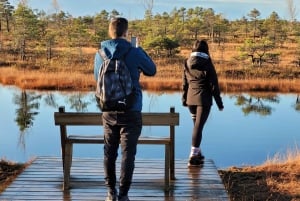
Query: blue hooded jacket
{"type": "Point", "coordinates": [136, 60]}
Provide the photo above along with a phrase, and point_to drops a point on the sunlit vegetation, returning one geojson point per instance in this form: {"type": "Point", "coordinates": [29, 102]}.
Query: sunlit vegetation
{"type": "Point", "coordinates": [9, 171]}
{"type": "Point", "coordinates": [276, 179]}
{"type": "Point", "coordinates": [42, 50]}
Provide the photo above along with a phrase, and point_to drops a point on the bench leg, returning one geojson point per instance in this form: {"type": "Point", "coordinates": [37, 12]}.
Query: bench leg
{"type": "Point", "coordinates": [172, 162]}
{"type": "Point", "coordinates": [67, 165]}
{"type": "Point", "coordinates": [167, 167]}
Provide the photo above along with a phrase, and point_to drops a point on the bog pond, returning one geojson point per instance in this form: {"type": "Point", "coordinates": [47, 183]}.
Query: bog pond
{"type": "Point", "coordinates": [251, 129]}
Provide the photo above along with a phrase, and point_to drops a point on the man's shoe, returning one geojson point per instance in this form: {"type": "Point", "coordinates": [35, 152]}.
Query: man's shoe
{"type": "Point", "coordinates": [111, 196]}
{"type": "Point", "coordinates": [123, 198]}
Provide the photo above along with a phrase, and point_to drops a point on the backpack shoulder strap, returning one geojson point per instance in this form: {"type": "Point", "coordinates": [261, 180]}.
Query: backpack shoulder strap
{"type": "Point", "coordinates": [104, 57]}
{"type": "Point", "coordinates": [102, 54]}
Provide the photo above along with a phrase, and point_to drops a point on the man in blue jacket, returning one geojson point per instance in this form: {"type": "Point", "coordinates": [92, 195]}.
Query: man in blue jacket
{"type": "Point", "coordinates": [123, 128]}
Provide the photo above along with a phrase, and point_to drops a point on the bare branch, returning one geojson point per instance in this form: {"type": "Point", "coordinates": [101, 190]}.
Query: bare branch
{"type": "Point", "coordinates": [148, 5]}
{"type": "Point", "coordinates": [56, 6]}
{"type": "Point", "coordinates": [292, 10]}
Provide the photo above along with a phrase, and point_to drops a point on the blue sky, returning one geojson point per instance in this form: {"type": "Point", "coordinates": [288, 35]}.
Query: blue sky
{"type": "Point", "coordinates": [132, 9]}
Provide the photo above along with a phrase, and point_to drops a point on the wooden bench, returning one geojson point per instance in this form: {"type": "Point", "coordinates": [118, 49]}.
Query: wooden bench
{"type": "Point", "coordinates": [64, 119]}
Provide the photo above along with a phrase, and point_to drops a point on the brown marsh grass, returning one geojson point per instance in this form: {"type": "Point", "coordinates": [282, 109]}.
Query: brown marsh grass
{"type": "Point", "coordinates": [260, 85]}
{"type": "Point", "coordinates": [9, 171]}
{"type": "Point", "coordinates": [163, 81]}
{"type": "Point", "coordinates": [46, 80]}
{"type": "Point", "coordinates": [277, 179]}
{"type": "Point", "coordinates": [67, 73]}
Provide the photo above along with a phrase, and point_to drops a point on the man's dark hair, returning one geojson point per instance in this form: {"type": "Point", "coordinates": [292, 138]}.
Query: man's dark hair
{"type": "Point", "coordinates": [118, 27]}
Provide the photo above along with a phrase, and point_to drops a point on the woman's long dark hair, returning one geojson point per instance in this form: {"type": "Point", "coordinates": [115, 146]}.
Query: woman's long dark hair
{"type": "Point", "coordinates": [200, 46]}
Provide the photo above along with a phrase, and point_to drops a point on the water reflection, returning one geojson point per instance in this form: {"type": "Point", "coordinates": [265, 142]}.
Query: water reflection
{"type": "Point", "coordinates": [27, 108]}
{"type": "Point", "coordinates": [256, 103]}
{"type": "Point", "coordinates": [297, 104]}
{"type": "Point", "coordinates": [238, 135]}
{"type": "Point", "coordinates": [77, 102]}
{"type": "Point", "coordinates": [27, 103]}
{"type": "Point", "coordinates": [51, 101]}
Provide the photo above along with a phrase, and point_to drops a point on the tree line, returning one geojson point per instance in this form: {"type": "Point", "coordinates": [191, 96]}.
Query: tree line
{"type": "Point", "coordinates": [27, 33]}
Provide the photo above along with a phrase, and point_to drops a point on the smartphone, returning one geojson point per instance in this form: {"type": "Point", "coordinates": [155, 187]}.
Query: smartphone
{"type": "Point", "coordinates": [134, 41]}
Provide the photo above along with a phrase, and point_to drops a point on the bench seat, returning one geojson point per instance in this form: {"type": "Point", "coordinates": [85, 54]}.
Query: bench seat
{"type": "Point", "coordinates": [99, 139]}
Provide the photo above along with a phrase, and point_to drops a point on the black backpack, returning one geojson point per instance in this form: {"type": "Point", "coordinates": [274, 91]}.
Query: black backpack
{"type": "Point", "coordinates": [114, 90]}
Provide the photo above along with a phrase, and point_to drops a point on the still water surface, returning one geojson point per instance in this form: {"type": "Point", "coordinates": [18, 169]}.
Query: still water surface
{"type": "Point", "coordinates": [251, 128]}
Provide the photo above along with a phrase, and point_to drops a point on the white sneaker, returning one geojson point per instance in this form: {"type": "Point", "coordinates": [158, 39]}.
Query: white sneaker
{"type": "Point", "coordinates": [196, 159]}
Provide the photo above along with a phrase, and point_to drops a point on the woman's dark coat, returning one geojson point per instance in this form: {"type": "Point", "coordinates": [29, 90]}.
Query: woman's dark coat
{"type": "Point", "coordinates": [200, 82]}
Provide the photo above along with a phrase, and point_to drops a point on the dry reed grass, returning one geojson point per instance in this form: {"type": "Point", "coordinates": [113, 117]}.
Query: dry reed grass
{"type": "Point", "coordinates": [47, 80]}
{"type": "Point", "coordinates": [260, 85]}
{"type": "Point", "coordinates": [277, 179]}
{"type": "Point", "coordinates": [32, 79]}
{"type": "Point", "coordinates": [287, 166]}
{"type": "Point", "coordinates": [234, 75]}
{"type": "Point", "coordinates": [9, 171]}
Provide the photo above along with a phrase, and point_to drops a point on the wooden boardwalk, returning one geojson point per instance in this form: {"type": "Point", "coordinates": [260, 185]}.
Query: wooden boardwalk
{"type": "Point", "coordinates": [43, 181]}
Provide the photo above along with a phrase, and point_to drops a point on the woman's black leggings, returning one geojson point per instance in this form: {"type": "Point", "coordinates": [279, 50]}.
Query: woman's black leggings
{"type": "Point", "coordinates": [199, 116]}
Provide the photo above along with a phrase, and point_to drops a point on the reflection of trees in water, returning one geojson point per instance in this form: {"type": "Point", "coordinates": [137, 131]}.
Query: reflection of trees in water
{"type": "Point", "coordinates": [152, 101]}
{"type": "Point", "coordinates": [256, 103]}
{"type": "Point", "coordinates": [27, 106]}
{"type": "Point", "coordinates": [77, 102]}
{"type": "Point", "coordinates": [50, 100]}
{"type": "Point", "coordinates": [297, 104]}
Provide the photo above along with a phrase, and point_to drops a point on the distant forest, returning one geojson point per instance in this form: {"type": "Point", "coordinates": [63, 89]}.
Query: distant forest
{"type": "Point", "coordinates": [27, 34]}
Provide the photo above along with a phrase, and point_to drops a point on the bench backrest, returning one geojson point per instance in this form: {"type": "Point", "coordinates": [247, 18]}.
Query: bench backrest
{"type": "Point", "coordinates": [64, 119]}
{"type": "Point", "coordinates": [93, 118]}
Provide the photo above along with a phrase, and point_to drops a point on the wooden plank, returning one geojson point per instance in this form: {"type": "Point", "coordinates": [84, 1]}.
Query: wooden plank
{"type": "Point", "coordinates": [93, 118]}
{"type": "Point", "coordinates": [43, 181]}
{"type": "Point", "coordinates": [99, 139]}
